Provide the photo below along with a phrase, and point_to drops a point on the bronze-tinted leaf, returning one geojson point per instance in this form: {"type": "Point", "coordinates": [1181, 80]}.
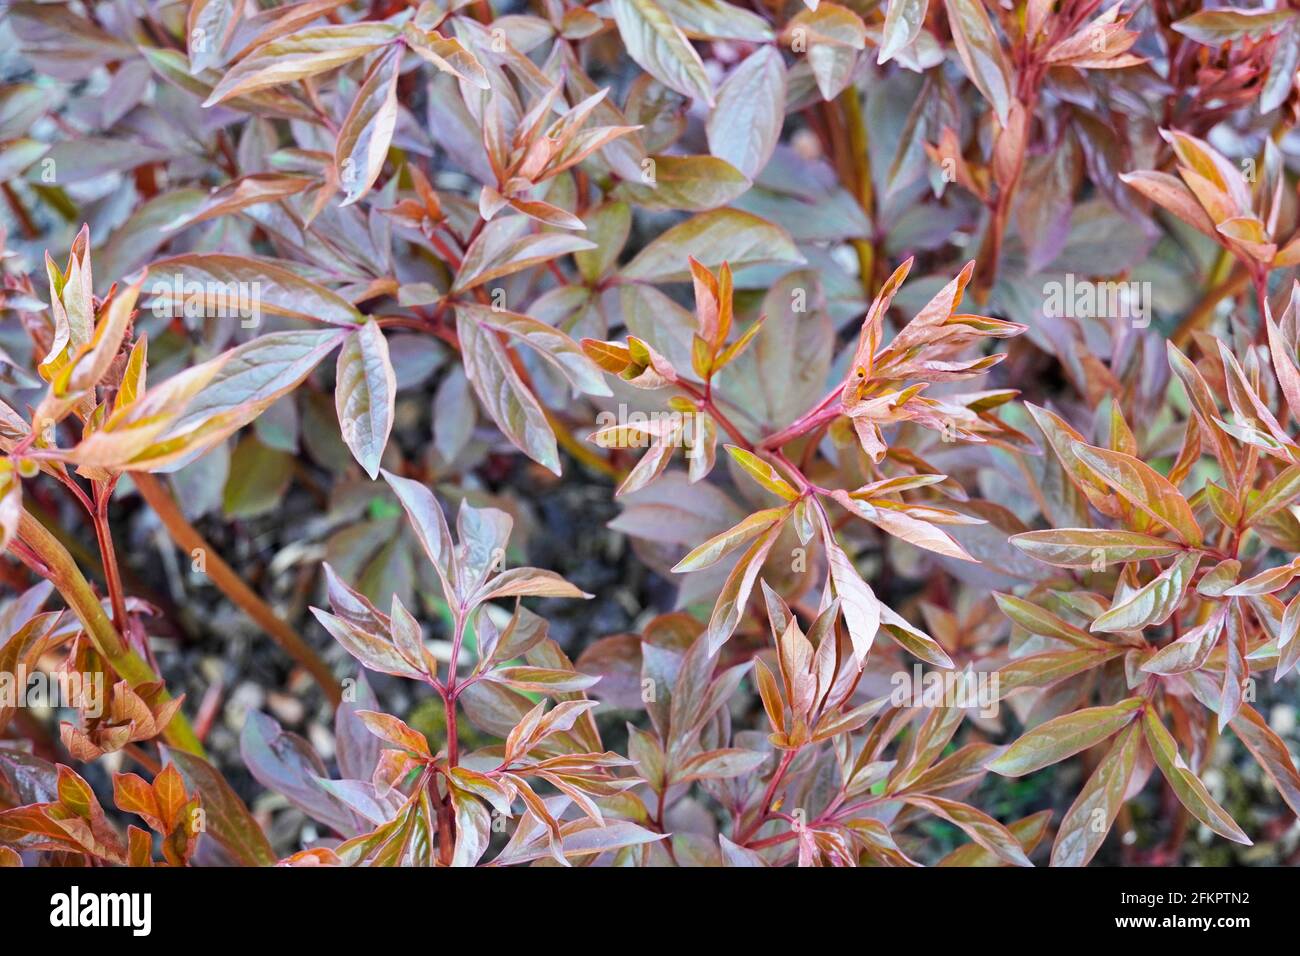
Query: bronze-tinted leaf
{"type": "Point", "coordinates": [228, 819]}
{"type": "Point", "coordinates": [1086, 823]}
{"type": "Point", "coordinates": [1064, 736]}
{"type": "Point", "coordinates": [1092, 548]}
{"type": "Point", "coordinates": [1185, 784]}
{"type": "Point", "coordinates": [1154, 602]}
{"type": "Point", "coordinates": [1141, 485]}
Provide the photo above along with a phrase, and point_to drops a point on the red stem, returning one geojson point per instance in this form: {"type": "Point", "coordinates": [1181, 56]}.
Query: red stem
{"type": "Point", "coordinates": [768, 795]}
{"type": "Point", "coordinates": [108, 554]}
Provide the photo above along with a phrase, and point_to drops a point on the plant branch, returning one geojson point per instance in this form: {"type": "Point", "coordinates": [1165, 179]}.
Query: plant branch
{"type": "Point", "coordinates": [859, 157]}
{"type": "Point", "coordinates": [764, 808]}
{"type": "Point", "coordinates": [108, 554]}
{"type": "Point", "coordinates": [67, 578]}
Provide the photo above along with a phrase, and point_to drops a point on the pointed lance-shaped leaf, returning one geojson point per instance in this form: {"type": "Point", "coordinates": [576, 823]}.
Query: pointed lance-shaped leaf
{"type": "Point", "coordinates": [1154, 602]}
{"type": "Point", "coordinates": [305, 53]}
{"type": "Point", "coordinates": [1089, 819]}
{"type": "Point", "coordinates": [1064, 736]}
{"type": "Point", "coordinates": [365, 395]}
{"type": "Point", "coordinates": [1185, 784]}
{"type": "Point", "coordinates": [1144, 487]}
{"type": "Point", "coordinates": [660, 48]}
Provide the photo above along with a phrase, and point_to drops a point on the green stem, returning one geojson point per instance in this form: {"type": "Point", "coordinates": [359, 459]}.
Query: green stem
{"type": "Point", "coordinates": [67, 578]}
{"type": "Point", "coordinates": [860, 157]}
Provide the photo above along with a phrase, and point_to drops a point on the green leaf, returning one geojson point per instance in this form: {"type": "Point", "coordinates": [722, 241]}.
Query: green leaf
{"type": "Point", "coordinates": [240, 194]}
{"type": "Point", "coordinates": [579, 838]}
{"type": "Point", "coordinates": [397, 732]}
{"type": "Point", "coordinates": [529, 582]}
{"type": "Point", "coordinates": [693, 183]}
{"type": "Point", "coordinates": [16, 155]}
{"type": "Point", "coordinates": [473, 828]}
{"type": "Point", "coordinates": [1216, 581]}
{"type": "Point", "coordinates": [446, 53]}
{"type": "Point", "coordinates": [254, 375]}
{"type": "Point", "coordinates": [1044, 670]}
{"type": "Point", "coordinates": [426, 519]}
{"type": "Point", "coordinates": [717, 20]}
{"type": "Point", "coordinates": [1266, 582]}
{"type": "Point", "coordinates": [1171, 193]}
{"type": "Point", "coordinates": [712, 238]}
{"type": "Point", "coordinates": [501, 250]}
{"type": "Point", "coordinates": [977, 825]}
{"type": "Point", "coordinates": [219, 282]}
{"type": "Point", "coordinates": [1191, 650]}
{"type": "Point", "coordinates": [172, 66]}
{"type": "Point", "coordinates": [1217, 27]}
{"type": "Point", "coordinates": [1145, 488]}
{"type": "Point", "coordinates": [734, 596]}
{"type": "Point", "coordinates": [762, 472]}
{"type": "Point", "coordinates": [1205, 407]}
{"type": "Point", "coordinates": [196, 409]}
{"type": "Point", "coordinates": [831, 37]}
{"type": "Point", "coordinates": [719, 765]}
{"type": "Point", "coordinates": [1064, 440]}
{"type": "Point", "coordinates": [1037, 620]}
{"type": "Point", "coordinates": [375, 651]}
{"type": "Point", "coordinates": [863, 612]}
{"type": "Point", "coordinates": [608, 226]}
{"type": "Point", "coordinates": [721, 545]}
{"type": "Point", "coordinates": [550, 343]}
{"type": "Point", "coordinates": [931, 738]}
{"type": "Point", "coordinates": [916, 642]}
{"type": "Point", "coordinates": [1280, 491]}
{"type": "Point", "coordinates": [542, 680]}
{"type": "Point", "coordinates": [1270, 752]}
{"type": "Point", "coordinates": [259, 477]}
{"type": "Point", "coordinates": [1028, 830]}
{"type": "Point", "coordinates": [903, 526]}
